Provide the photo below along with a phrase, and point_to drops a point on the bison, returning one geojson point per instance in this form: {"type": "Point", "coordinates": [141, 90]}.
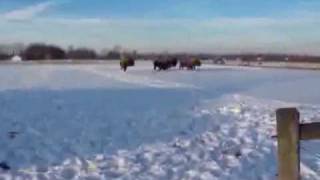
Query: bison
{"type": "Point", "coordinates": [190, 64]}
{"type": "Point", "coordinates": [165, 64]}
{"type": "Point", "coordinates": [126, 62]}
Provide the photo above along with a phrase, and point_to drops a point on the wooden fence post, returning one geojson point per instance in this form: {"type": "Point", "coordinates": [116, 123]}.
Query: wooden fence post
{"type": "Point", "coordinates": [288, 144]}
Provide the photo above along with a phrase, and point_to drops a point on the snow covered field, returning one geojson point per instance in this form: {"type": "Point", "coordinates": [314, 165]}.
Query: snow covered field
{"type": "Point", "coordinates": [96, 122]}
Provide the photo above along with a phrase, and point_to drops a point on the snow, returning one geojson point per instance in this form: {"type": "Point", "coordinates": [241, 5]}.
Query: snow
{"type": "Point", "coordinates": [96, 122]}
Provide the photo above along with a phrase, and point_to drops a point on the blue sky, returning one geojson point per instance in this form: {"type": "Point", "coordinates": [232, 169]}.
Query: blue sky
{"type": "Point", "coordinates": [217, 26]}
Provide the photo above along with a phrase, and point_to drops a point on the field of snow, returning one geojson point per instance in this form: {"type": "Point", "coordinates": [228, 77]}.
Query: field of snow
{"type": "Point", "coordinates": [92, 121]}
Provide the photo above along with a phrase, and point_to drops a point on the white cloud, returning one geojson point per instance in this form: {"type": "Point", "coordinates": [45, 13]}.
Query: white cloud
{"type": "Point", "coordinates": [220, 34]}
{"type": "Point", "coordinates": [218, 22]}
{"type": "Point", "coordinates": [79, 21]}
{"type": "Point", "coordinates": [29, 12]}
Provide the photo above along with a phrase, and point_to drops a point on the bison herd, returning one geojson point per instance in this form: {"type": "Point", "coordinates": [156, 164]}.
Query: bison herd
{"type": "Point", "coordinates": [162, 64]}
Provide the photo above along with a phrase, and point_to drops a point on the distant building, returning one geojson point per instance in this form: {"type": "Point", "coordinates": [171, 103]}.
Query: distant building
{"type": "Point", "coordinates": [16, 58]}
{"type": "Point", "coordinates": [286, 58]}
{"type": "Point", "coordinates": [259, 60]}
{"type": "Point", "coordinates": [219, 60]}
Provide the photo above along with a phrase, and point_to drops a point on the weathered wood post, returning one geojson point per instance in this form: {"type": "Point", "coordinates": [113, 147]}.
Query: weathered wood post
{"type": "Point", "coordinates": [288, 144]}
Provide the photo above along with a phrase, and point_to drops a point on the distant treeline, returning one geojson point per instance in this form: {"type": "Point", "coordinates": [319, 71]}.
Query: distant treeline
{"type": "Point", "coordinates": [47, 52]}
{"type": "Point", "coordinates": [4, 56]}
{"type": "Point", "coordinates": [40, 51]}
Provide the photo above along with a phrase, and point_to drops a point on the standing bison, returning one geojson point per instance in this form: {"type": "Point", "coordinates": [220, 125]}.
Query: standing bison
{"type": "Point", "coordinates": [126, 62]}
{"type": "Point", "coordinates": [165, 64]}
{"type": "Point", "coordinates": [190, 64]}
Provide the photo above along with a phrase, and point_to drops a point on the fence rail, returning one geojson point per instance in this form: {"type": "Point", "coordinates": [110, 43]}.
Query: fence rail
{"type": "Point", "coordinates": [289, 134]}
{"type": "Point", "coordinates": [310, 131]}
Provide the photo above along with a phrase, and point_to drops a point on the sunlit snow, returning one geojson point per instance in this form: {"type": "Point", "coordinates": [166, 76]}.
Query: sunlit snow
{"type": "Point", "coordinates": [97, 122]}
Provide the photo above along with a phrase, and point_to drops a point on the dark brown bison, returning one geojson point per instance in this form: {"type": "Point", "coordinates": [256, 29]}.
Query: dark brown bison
{"type": "Point", "coordinates": [126, 62]}
{"type": "Point", "coordinates": [190, 64]}
{"type": "Point", "coordinates": [165, 64]}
